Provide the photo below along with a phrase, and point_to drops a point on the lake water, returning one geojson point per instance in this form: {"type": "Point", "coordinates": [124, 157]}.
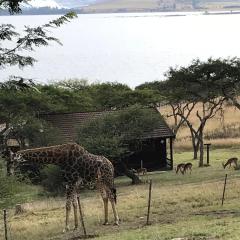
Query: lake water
{"type": "Point", "coordinates": [128, 48]}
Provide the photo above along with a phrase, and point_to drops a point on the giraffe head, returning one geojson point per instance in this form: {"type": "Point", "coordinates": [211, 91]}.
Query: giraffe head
{"type": "Point", "coordinates": [17, 158]}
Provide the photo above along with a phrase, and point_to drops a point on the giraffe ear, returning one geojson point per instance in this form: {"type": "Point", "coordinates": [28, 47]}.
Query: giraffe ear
{"type": "Point", "coordinates": [12, 154]}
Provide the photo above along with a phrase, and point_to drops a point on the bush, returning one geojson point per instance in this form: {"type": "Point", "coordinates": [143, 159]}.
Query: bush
{"type": "Point", "coordinates": [118, 134]}
{"type": "Point", "coordinates": [52, 179]}
{"type": "Point", "coordinates": [8, 186]}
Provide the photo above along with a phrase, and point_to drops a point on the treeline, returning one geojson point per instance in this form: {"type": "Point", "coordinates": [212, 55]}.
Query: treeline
{"type": "Point", "coordinates": [20, 109]}
{"type": "Point", "coordinates": [208, 84]}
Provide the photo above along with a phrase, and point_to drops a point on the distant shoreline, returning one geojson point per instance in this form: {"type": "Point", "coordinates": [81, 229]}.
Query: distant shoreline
{"type": "Point", "coordinates": [81, 12]}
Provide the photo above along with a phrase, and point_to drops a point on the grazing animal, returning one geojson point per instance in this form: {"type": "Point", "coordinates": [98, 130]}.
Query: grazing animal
{"type": "Point", "coordinates": [142, 170]}
{"type": "Point", "coordinates": [77, 165]}
{"type": "Point", "coordinates": [187, 166]}
{"type": "Point", "coordinates": [229, 162]}
{"type": "Point", "coordinates": [180, 167]}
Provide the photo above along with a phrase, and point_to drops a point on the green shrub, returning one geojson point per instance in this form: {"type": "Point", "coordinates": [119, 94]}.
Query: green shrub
{"type": "Point", "coordinates": [52, 179]}
{"type": "Point", "coordinates": [8, 185]}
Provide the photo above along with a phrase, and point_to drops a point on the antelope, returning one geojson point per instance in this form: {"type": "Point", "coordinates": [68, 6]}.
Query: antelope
{"type": "Point", "coordinates": [187, 166]}
{"type": "Point", "coordinates": [142, 170]}
{"type": "Point", "coordinates": [180, 167]}
{"type": "Point", "coordinates": [229, 162]}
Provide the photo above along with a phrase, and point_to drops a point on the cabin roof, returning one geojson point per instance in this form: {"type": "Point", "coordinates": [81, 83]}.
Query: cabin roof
{"type": "Point", "coordinates": [67, 123]}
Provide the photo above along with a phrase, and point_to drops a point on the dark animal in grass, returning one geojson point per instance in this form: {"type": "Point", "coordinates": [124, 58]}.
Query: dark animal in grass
{"type": "Point", "coordinates": [180, 167]}
{"type": "Point", "coordinates": [229, 163]}
{"type": "Point", "coordinates": [187, 167]}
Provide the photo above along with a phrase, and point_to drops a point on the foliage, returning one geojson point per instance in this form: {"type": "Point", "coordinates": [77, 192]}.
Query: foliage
{"type": "Point", "coordinates": [7, 186]}
{"type": "Point", "coordinates": [33, 37]}
{"type": "Point", "coordinates": [12, 5]}
{"type": "Point", "coordinates": [64, 99]}
{"type": "Point", "coordinates": [20, 98]}
{"type": "Point", "coordinates": [52, 179]}
{"type": "Point", "coordinates": [114, 134]}
{"type": "Point", "coordinates": [37, 132]}
{"type": "Point", "coordinates": [193, 85]}
{"type": "Point", "coordinates": [207, 84]}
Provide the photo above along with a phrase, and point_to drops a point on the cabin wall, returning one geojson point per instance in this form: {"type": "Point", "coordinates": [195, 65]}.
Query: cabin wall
{"type": "Point", "coordinates": [153, 154]}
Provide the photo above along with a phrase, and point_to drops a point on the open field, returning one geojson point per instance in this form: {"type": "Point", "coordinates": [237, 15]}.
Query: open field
{"type": "Point", "coordinates": [221, 132]}
{"type": "Point", "coordinates": [182, 206]}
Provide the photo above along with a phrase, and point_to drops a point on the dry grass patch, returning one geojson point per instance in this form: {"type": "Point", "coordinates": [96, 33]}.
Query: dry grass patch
{"type": "Point", "coordinates": [221, 132]}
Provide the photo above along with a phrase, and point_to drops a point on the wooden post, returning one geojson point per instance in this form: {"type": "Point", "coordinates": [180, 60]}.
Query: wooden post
{"type": "Point", "coordinates": [141, 164]}
{"type": "Point", "coordinates": [224, 188]}
{"type": "Point", "coordinates": [5, 223]}
{"type": "Point", "coordinates": [149, 201]}
{"type": "Point", "coordinates": [208, 145]}
{"type": "Point", "coordinates": [171, 153]}
{"type": "Point", "coordinates": [81, 216]}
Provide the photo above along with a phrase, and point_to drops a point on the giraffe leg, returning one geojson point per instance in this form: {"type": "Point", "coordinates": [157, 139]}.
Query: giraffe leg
{"type": "Point", "coordinates": [74, 203]}
{"type": "Point", "coordinates": [114, 211]}
{"type": "Point", "coordinates": [105, 202]}
{"type": "Point", "coordinates": [68, 210]}
{"type": "Point", "coordinates": [69, 192]}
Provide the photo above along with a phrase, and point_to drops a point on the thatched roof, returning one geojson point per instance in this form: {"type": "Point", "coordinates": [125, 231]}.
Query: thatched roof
{"type": "Point", "coordinates": [67, 123]}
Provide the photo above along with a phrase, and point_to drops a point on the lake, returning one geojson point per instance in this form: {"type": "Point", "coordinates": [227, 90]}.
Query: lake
{"type": "Point", "coordinates": [130, 48]}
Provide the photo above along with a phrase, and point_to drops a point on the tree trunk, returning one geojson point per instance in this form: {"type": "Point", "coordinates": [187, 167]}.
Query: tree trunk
{"type": "Point", "coordinates": [195, 152]}
{"type": "Point", "coordinates": [201, 149]}
{"type": "Point", "coordinates": [195, 145]}
{"type": "Point", "coordinates": [130, 174]}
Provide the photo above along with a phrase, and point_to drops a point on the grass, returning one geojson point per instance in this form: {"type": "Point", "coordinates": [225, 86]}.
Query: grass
{"type": "Point", "coordinates": [182, 207]}
{"type": "Point", "coordinates": [221, 132]}
{"type": "Point", "coordinates": [13, 191]}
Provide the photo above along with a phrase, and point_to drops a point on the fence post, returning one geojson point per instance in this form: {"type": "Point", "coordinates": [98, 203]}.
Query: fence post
{"type": "Point", "coordinates": [149, 201]}
{"type": "Point", "coordinates": [224, 188]}
{"type": "Point", "coordinates": [208, 145]}
{"type": "Point", "coordinates": [81, 216]}
{"type": "Point", "coordinates": [5, 223]}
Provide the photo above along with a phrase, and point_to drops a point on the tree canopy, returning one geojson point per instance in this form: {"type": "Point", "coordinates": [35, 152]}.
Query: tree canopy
{"type": "Point", "coordinates": [117, 135]}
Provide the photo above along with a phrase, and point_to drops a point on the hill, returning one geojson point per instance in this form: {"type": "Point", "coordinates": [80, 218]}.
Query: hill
{"type": "Point", "coordinates": [161, 5]}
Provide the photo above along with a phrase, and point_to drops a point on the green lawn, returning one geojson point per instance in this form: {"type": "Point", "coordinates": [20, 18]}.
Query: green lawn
{"type": "Point", "coordinates": [187, 207]}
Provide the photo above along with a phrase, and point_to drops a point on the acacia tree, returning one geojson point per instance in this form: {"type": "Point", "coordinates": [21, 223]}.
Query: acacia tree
{"type": "Point", "coordinates": [166, 97]}
{"type": "Point", "coordinates": [227, 79]}
{"type": "Point", "coordinates": [195, 85]}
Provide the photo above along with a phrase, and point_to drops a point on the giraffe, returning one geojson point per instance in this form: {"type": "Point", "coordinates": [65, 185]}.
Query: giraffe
{"type": "Point", "coordinates": [77, 165]}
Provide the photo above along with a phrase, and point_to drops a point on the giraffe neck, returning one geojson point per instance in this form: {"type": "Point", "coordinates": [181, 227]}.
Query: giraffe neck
{"type": "Point", "coordinates": [39, 156]}
{"type": "Point", "coordinates": [51, 155]}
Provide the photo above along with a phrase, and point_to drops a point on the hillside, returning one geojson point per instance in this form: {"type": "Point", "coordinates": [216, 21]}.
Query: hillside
{"type": "Point", "coordinates": [161, 5]}
{"type": "Point", "coordinates": [43, 7]}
